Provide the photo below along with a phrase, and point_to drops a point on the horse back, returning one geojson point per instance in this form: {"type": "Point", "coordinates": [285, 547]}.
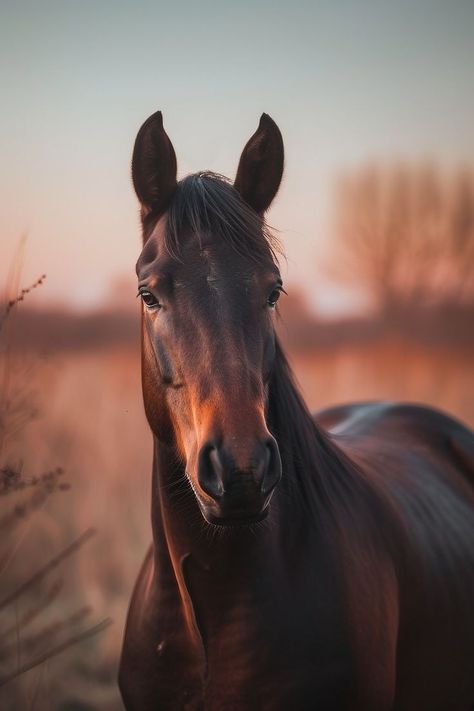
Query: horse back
{"type": "Point", "coordinates": [377, 425]}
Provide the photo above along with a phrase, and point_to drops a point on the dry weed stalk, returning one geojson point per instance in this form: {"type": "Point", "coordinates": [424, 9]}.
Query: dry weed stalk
{"type": "Point", "coordinates": [20, 297]}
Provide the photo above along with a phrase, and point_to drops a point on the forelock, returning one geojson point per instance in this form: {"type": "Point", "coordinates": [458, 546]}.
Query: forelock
{"type": "Point", "coordinates": [207, 206]}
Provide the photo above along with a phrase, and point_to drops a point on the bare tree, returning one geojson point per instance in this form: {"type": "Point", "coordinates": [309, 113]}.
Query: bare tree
{"type": "Point", "coordinates": [406, 233]}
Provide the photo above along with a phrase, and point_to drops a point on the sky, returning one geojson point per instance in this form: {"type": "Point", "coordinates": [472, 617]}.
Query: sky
{"type": "Point", "coordinates": [347, 82]}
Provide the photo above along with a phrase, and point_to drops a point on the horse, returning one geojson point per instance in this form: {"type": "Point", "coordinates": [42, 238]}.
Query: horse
{"type": "Point", "coordinates": [298, 562]}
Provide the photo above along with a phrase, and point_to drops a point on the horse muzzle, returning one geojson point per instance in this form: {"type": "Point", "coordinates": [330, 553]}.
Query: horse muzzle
{"type": "Point", "coordinates": [238, 488]}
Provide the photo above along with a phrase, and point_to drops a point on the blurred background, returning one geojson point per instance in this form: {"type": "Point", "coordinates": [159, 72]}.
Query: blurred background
{"type": "Point", "coordinates": [375, 214]}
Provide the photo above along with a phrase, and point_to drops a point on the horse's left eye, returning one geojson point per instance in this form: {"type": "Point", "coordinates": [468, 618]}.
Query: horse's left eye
{"type": "Point", "coordinates": [149, 299]}
{"type": "Point", "coordinates": [273, 298]}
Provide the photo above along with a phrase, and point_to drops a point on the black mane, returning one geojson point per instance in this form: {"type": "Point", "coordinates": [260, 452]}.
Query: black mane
{"type": "Point", "coordinates": [207, 203]}
{"type": "Point", "coordinates": [318, 475]}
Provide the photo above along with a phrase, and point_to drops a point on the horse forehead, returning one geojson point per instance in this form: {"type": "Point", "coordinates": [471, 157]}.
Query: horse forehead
{"type": "Point", "coordinates": [198, 264]}
{"type": "Point", "coordinates": [224, 264]}
{"type": "Point", "coordinates": [215, 276]}
{"type": "Point", "coordinates": [204, 262]}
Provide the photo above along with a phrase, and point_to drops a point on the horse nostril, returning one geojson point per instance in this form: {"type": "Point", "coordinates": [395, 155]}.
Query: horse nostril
{"type": "Point", "coordinates": [210, 472]}
{"type": "Point", "coordinates": [217, 465]}
{"type": "Point", "coordinates": [272, 472]}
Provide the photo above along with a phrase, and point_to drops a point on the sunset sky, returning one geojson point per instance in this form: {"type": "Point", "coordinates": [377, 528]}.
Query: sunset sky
{"type": "Point", "coordinates": [345, 81]}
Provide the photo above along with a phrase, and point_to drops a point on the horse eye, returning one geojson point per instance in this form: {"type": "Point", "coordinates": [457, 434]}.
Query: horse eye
{"type": "Point", "coordinates": [149, 299]}
{"type": "Point", "coordinates": [273, 298]}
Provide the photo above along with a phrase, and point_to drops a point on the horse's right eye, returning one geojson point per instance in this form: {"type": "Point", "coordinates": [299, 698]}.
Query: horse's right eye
{"type": "Point", "coordinates": [149, 299]}
{"type": "Point", "coordinates": [273, 298]}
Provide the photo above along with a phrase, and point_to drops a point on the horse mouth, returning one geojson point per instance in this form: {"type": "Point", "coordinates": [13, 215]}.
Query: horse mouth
{"type": "Point", "coordinates": [237, 519]}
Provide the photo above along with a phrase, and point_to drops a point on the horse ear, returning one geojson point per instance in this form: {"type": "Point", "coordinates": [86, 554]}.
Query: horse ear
{"type": "Point", "coordinates": [153, 166]}
{"type": "Point", "coordinates": [261, 166]}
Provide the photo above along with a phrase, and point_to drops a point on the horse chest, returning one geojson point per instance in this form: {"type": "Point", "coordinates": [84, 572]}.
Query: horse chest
{"type": "Point", "coordinates": [265, 651]}
{"type": "Point", "coordinates": [258, 663]}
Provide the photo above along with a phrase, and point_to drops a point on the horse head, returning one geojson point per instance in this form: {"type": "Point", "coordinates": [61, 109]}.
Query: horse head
{"type": "Point", "coordinates": [209, 282]}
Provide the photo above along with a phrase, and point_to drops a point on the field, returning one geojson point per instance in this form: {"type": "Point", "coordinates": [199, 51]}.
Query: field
{"type": "Point", "coordinates": [87, 418]}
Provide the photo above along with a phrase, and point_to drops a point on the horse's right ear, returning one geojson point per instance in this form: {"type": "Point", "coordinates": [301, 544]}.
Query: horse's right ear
{"type": "Point", "coordinates": [153, 166]}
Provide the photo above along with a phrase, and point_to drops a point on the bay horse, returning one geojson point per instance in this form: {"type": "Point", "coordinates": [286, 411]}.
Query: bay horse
{"type": "Point", "coordinates": [298, 563]}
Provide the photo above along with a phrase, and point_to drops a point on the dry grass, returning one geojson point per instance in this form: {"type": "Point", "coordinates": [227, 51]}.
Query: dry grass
{"type": "Point", "coordinates": [89, 417]}
{"type": "Point", "coordinates": [91, 421]}
{"type": "Point", "coordinates": [392, 370]}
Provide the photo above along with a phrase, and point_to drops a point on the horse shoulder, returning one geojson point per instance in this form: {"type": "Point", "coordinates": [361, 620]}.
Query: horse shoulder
{"type": "Point", "coordinates": [137, 637]}
{"type": "Point", "coordinates": [158, 667]}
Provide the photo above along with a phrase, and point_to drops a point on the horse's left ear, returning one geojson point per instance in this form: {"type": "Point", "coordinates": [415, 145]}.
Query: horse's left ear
{"type": "Point", "coordinates": [261, 166]}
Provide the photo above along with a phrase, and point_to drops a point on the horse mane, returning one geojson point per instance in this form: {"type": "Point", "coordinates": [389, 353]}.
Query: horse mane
{"type": "Point", "coordinates": [207, 203]}
{"type": "Point", "coordinates": [319, 476]}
